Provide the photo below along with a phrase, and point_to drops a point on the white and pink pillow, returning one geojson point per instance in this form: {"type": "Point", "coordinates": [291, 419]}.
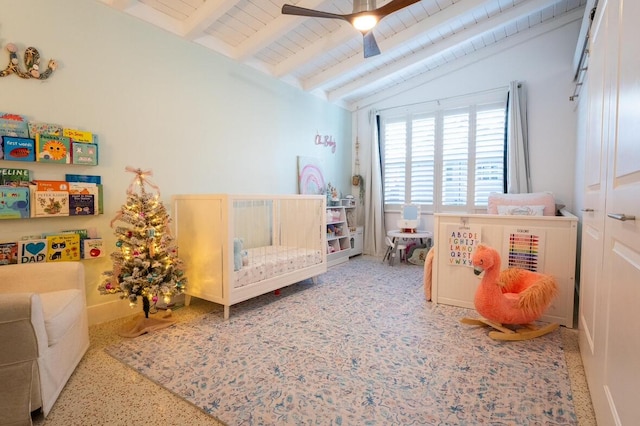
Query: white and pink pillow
{"type": "Point", "coordinates": [523, 204]}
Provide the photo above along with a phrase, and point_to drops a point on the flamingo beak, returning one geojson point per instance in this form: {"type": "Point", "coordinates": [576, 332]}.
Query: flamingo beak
{"type": "Point", "coordinates": [477, 270]}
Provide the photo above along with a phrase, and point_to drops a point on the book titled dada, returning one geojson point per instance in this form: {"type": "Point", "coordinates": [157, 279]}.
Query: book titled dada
{"type": "Point", "coordinates": [18, 149]}
{"type": "Point", "coordinates": [63, 247]}
{"type": "Point", "coordinates": [32, 251]}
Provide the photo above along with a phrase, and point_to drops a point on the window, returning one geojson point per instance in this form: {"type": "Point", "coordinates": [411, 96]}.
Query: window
{"type": "Point", "coordinates": [445, 159]}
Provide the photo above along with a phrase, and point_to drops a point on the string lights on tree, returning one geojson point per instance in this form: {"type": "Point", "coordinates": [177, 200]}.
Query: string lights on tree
{"type": "Point", "coordinates": [146, 262]}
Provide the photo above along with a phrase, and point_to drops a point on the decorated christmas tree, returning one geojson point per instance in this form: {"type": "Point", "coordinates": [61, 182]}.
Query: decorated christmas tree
{"type": "Point", "coordinates": [146, 262]}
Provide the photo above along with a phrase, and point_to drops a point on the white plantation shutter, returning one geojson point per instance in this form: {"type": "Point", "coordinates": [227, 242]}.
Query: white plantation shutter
{"type": "Point", "coordinates": [445, 159]}
{"type": "Point", "coordinates": [423, 132]}
{"type": "Point", "coordinates": [490, 121]}
{"type": "Point", "coordinates": [394, 162]}
{"type": "Point", "coordinates": [455, 157]}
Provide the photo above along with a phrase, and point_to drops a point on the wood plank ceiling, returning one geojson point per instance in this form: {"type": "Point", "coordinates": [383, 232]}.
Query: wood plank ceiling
{"type": "Point", "coordinates": [324, 56]}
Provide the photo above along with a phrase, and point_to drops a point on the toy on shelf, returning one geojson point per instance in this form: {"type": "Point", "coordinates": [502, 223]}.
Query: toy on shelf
{"type": "Point", "coordinates": [514, 297]}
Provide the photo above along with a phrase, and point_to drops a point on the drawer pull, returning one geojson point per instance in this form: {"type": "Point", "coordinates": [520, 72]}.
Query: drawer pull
{"type": "Point", "coordinates": [621, 216]}
{"type": "Point", "coordinates": [588, 210]}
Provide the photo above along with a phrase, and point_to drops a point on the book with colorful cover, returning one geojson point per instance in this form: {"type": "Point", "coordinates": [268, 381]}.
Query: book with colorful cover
{"type": "Point", "coordinates": [18, 149]}
{"type": "Point", "coordinates": [83, 233]}
{"type": "Point", "coordinates": [63, 247]}
{"type": "Point", "coordinates": [15, 177]}
{"type": "Point", "coordinates": [8, 253]}
{"type": "Point", "coordinates": [89, 188]}
{"type": "Point", "coordinates": [82, 204]}
{"type": "Point", "coordinates": [79, 135]}
{"type": "Point", "coordinates": [84, 153]}
{"type": "Point", "coordinates": [49, 203]}
{"type": "Point", "coordinates": [32, 251]}
{"type": "Point", "coordinates": [13, 125]}
{"type": "Point", "coordinates": [53, 149]}
{"type": "Point", "coordinates": [14, 202]}
{"type": "Point", "coordinates": [36, 128]}
{"type": "Point", "coordinates": [51, 185]}
{"type": "Point", "coordinates": [93, 248]}
{"type": "Point", "coordinates": [83, 178]}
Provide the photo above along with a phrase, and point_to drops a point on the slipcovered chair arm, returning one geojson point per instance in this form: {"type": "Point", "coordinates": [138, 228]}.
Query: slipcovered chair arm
{"type": "Point", "coordinates": [41, 277]}
{"type": "Point", "coordinates": [22, 333]}
{"type": "Point", "coordinates": [22, 329]}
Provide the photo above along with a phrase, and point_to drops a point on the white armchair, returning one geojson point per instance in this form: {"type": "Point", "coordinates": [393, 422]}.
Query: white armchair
{"type": "Point", "coordinates": [44, 333]}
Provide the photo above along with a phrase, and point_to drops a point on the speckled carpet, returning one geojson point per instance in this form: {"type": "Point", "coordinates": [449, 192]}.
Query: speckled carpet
{"type": "Point", "coordinates": [361, 347]}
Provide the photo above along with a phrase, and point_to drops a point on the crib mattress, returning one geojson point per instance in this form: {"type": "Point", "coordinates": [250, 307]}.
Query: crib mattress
{"type": "Point", "coordinates": [271, 261]}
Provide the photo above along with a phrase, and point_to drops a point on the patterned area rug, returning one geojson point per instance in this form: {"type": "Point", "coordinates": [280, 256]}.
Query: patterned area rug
{"type": "Point", "coordinates": [361, 347]}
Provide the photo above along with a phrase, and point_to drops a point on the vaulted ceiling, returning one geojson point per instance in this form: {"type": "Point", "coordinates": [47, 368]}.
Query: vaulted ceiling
{"type": "Point", "coordinates": [325, 56]}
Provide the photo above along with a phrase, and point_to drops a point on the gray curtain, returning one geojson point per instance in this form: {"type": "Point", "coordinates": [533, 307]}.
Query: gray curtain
{"type": "Point", "coordinates": [374, 229]}
{"type": "Point", "coordinates": [517, 159]}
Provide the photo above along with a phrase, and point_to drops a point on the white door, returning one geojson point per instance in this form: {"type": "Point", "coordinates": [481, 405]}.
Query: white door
{"type": "Point", "coordinates": [621, 275]}
{"type": "Point", "coordinates": [591, 324]}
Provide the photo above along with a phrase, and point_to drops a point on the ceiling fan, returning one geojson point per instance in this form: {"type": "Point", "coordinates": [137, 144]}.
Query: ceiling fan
{"type": "Point", "coordinates": [364, 17]}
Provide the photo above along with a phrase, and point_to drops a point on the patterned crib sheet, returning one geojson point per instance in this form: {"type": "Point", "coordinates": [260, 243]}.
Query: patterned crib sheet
{"type": "Point", "coordinates": [271, 261]}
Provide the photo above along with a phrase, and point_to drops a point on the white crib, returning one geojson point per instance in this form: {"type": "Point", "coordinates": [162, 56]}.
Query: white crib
{"type": "Point", "coordinates": [282, 243]}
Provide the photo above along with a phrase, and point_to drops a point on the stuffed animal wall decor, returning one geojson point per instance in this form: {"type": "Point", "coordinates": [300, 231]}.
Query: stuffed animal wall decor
{"type": "Point", "coordinates": [514, 297]}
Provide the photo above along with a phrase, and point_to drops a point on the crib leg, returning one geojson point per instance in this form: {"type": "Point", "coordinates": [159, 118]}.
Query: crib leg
{"type": "Point", "coordinates": [314, 280]}
{"type": "Point", "coordinates": [226, 312]}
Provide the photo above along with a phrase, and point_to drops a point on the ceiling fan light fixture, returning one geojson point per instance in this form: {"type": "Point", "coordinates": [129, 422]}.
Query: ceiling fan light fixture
{"type": "Point", "coordinates": [364, 23]}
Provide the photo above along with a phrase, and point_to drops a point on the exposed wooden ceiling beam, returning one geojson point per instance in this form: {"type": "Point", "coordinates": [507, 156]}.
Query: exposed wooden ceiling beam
{"type": "Point", "coordinates": [327, 77]}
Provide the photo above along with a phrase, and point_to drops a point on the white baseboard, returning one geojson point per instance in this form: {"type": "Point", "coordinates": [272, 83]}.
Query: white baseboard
{"type": "Point", "coordinates": [110, 311]}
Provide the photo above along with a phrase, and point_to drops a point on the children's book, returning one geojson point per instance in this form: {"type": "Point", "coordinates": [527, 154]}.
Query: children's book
{"type": "Point", "coordinates": [18, 149]}
{"type": "Point", "coordinates": [83, 178]}
{"type": "Point", "coordinates": [93, 248]}
{"type": "Point", "coordinates": [89, 188]}
{"type": "Point", "coordinates": [53, 149]}
{"type": "Point", "coordinates": [32, 251]}
{"type": "Point", "coordinates": [82, 204]}
{"type": "Point", "coordinates": [78, 135]}
{"type": "Point", "coordinates": [8, 253]}
{"type": "Point", "coordinates": [84, 233]}
{"type": "Point", "coordinates": [15, 177]}
{"type": "Point", "coordinates": [51, 185]}
{"type": "Point", "coordinates": [13, 125]}
{"type": "Point", "coordinates": [63, 247]}
{"type": "Point", "coordinates": [14, 202]}
{"type": "Point", "coordinates": [84, 153]}
{"type": "Point", "coordinates": [49, 203]}
{"type": "Point", "coordinates": [43, 129]}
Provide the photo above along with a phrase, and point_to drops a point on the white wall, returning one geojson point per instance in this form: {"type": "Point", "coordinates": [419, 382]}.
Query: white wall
{"type": "Point", "coordinates": [201, 122]}
{"type": "Point", "coordinates": [544, 64]}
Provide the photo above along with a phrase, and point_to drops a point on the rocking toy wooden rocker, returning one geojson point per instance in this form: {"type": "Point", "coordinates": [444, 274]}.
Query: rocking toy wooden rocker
{"type": "Point", "coordinates": [511, 300]}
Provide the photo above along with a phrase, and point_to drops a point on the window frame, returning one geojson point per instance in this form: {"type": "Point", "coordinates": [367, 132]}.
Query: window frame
{"type": "Point", "coordinates": [472, 103]}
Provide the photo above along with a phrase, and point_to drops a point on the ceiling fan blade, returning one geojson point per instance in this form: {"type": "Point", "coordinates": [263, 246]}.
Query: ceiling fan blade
{"type": "Point", "coordinates": [370, 46]}
{"type": "Point", "coordinates": [393, 6]}
{"type": "Point", "coordinates": [288, 9]}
